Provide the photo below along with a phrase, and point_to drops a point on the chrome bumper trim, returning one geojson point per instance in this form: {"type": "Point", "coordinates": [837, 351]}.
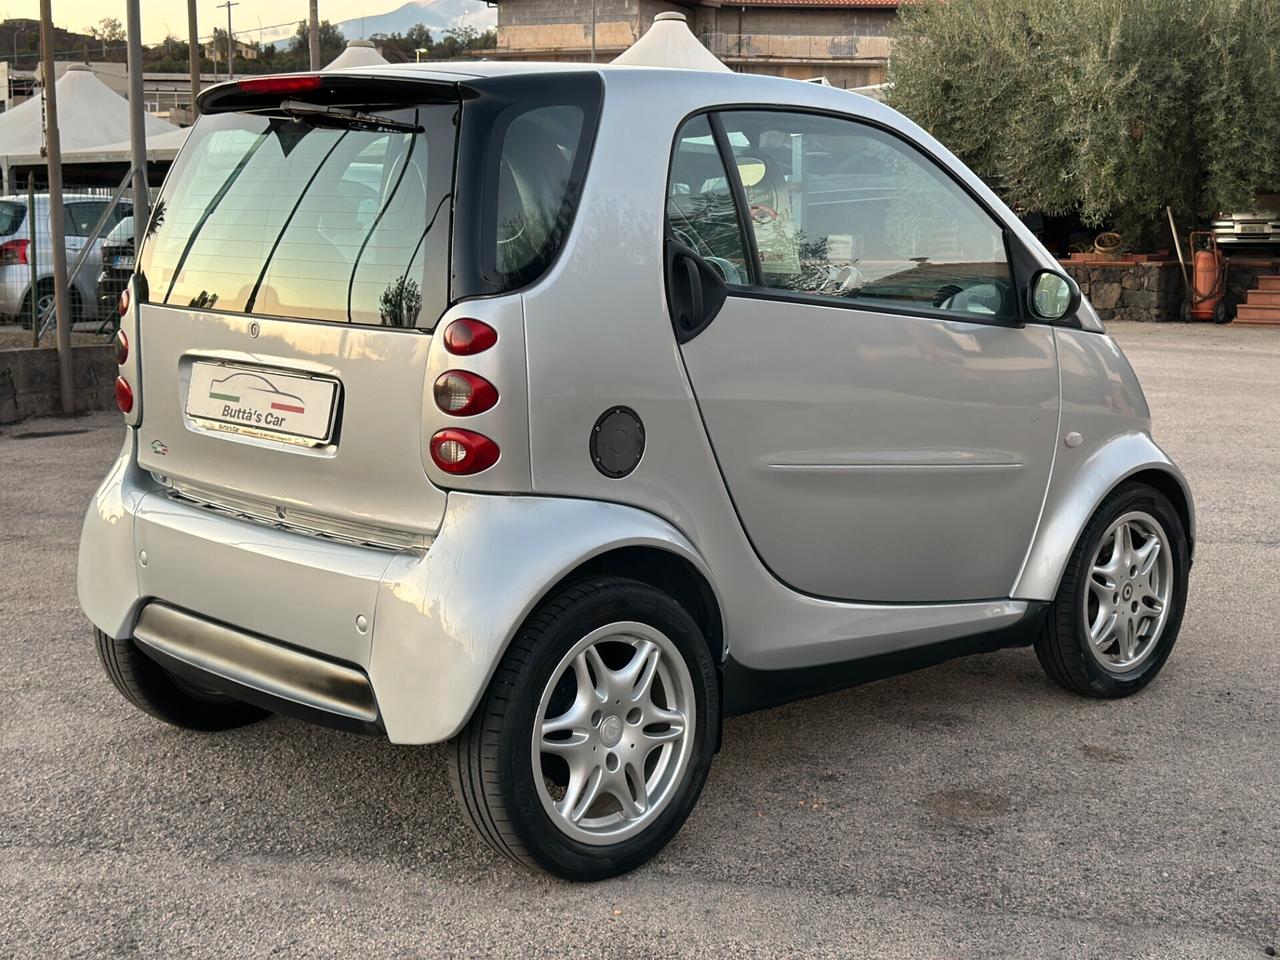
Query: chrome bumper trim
{"type": "Point", "coordinates": [259, 664]}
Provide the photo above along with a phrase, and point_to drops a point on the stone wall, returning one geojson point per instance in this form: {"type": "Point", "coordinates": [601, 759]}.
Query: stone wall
{"type": "Point", "coordinates": [1131, 291]}
{"type": "Point", "coordinates": [29, 381]}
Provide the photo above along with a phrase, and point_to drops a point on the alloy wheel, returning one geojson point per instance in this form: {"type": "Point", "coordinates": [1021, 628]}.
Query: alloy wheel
{"type": "Point", "coordinates": [613, 733]}
{"type": "Point", "coordinates": [1130, 592]}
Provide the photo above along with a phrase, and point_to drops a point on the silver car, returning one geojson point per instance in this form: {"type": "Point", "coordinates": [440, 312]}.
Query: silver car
{"type": "Point", "coordinates": [23, 237]}
{"type": "Point", "coordinates": [560, 412]}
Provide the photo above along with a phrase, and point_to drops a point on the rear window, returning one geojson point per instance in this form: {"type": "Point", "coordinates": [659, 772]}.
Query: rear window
{"type": "Point", "coordinates": [11, 216]}
{"type": "Point", "coordinates": [280, 217]}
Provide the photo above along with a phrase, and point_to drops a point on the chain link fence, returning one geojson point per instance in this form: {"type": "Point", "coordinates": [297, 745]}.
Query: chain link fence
{"type": "Point", "coordinates": [98, 240]}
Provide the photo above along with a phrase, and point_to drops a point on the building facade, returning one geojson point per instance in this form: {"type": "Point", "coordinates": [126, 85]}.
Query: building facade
{"type": "Point", "coordinates": [843, 41]}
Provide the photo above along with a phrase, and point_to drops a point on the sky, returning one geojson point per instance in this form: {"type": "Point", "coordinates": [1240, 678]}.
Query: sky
{"type": "Point", "coordinates": [160, 17]}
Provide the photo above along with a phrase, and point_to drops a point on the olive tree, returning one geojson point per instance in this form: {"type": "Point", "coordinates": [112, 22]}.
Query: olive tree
{"type": "Point", "coordinates": [1109, 109]}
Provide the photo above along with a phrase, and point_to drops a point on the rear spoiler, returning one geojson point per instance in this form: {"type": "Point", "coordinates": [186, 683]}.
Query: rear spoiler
{"type": "Point", "coordinates": [261, 94]}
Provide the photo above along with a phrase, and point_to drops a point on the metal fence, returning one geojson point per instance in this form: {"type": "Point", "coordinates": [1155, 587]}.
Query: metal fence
{"type": "Point", "coordinates": [91, 212]}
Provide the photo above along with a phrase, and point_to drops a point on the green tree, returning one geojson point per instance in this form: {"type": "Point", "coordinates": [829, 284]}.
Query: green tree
{"type": "Point", "coordinates": [1109, 109]}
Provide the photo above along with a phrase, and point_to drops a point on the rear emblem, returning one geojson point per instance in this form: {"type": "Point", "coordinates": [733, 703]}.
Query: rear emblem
{"type": "Point", "coordinates": [254, 329]}
{"type": "Point", "coordinates": [159, 447]}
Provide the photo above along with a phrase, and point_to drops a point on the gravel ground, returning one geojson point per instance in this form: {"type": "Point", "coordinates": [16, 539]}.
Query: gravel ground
{"type": "Point", "coordinates": [971, 810]}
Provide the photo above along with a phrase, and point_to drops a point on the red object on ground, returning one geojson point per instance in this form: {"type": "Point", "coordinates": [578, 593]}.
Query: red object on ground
{"type": "Point", "coordinates": [1208, 274]}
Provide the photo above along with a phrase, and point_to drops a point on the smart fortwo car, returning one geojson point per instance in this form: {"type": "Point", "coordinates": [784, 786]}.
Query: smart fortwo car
{"type": "Point", "coordinates": [560, 412]}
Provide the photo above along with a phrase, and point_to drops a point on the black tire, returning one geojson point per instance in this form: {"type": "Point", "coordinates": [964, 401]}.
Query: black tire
{"type": "Point", "coordinates": [490, 760]}
{"type": "Point", "coordinates": [45, 288]}
{"type": "Point", "coordinates": [153, 690]}
{"type": "Point", "coordinates": [1063, 646]}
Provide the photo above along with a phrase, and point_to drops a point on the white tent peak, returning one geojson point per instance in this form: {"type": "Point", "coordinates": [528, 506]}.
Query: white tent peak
{"type": "Point", "coordinates": [90, 114]}
{"type": "Point", "coordinates": [359, 53]}
{"type": "Point", "coordinates": [670, 43]}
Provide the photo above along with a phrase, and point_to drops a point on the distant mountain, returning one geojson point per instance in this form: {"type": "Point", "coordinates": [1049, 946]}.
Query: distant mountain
{"type": "Point", "coordinates": [436, 15]}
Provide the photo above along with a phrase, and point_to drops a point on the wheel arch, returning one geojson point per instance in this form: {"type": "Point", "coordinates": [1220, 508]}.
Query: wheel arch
{"type": "Point", "coordinates": [1075, 496]}
{"type": "Point", "coordinates": [444, 621]}
{"type": "Point", "coordinates": [666, 571]}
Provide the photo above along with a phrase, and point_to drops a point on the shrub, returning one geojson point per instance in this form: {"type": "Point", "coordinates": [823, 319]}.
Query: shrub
{"type": "Point", "coordinates": [1109, 109]}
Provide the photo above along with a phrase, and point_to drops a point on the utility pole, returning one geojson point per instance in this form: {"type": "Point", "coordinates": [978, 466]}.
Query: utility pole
{"type": "Point", "coordinates": [137, 115]}
{"type": "Point", "coordinates": [313, 35]}
{"type": "Point", "coordinates": [57, 232]}
{"type": "Point", "coordinates": [593, 31]}
{"type": "Point", "coordinates": [231, 49]}
{"type": "Point", "coordinates": [193, 54]}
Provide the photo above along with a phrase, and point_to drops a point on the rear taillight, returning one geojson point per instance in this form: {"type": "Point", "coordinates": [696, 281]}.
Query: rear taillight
{"type": "Point", "coordinates": [280, 84]}
{"type": "Point", "coordinates": [463, 452]}
{"type": "Point", "coordinates": [13, 252]}
{"type": "Point", "coordinates": [466, 337]}
{"type": "Point", "coordinates": [124, 395]}
{"type": "Point", "coordinates": [122, 348]}
{"type": "Point", "coordinates": [464, 394]}
{"type": "Point", "coordinates": [123, 306]}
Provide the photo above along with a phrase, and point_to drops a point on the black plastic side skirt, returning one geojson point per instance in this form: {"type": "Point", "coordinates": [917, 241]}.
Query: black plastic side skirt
{"type": "Point", "coordinates": [746, 689]}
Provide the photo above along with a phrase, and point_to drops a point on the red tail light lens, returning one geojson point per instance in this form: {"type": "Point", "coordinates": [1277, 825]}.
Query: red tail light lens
{"type": "Point", "coordinates": [122, 348]}
{"type": "Point", "coordinates": [463, 452]}
{"type": "Point", "coordinates": [464, 394]}
{"type": "Point", "coordinates": [124, 395]}
{"type": "Point", "coordinates": [467, 337]}
{"type": "Point", "coordinates": [13, 252]}
{"type": "Point", "coordinates": [123, 306]}
{"type": "Point", "coordinates": [280, 84]}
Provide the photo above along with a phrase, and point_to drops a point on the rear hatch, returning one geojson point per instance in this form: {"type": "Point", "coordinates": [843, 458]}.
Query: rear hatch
{"type": "Point", "coordinates": [291, 273]}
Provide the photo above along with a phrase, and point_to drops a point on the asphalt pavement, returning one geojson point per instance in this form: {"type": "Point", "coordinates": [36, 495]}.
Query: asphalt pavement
{"type": "Point", "coordinates": [970, 810]}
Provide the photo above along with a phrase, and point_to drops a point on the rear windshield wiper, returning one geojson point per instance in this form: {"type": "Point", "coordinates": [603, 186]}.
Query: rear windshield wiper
{"type": "Point", "coordinates": [343, 116]}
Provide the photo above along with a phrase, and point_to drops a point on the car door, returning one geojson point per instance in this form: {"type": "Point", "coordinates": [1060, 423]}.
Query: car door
{"type": "Point", "coordinates": [883, 418]}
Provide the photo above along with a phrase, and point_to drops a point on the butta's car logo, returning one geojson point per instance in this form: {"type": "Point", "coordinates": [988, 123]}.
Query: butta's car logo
{"type": "Point", "coordinates": [256, 390]}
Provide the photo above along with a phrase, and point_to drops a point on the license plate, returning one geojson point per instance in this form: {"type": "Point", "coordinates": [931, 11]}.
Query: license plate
{"type": "Point", "coordinates": [122, 263]}
{"type": "Point", "coordinates": [1252, 228]}
{"type": "Point", "coordinates": [262, 402]}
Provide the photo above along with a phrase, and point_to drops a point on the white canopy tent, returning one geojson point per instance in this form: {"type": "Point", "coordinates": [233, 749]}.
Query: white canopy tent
{"type": "Point", "coordinates": [90, 115]}
{"type": "Point", "coordinates": [359, 53]}
{"type": "Point", "coordinates": [670, 43]}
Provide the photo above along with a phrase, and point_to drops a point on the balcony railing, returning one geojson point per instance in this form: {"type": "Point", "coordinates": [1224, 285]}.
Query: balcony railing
{"type": "Point", "coordinates": [784, 47]}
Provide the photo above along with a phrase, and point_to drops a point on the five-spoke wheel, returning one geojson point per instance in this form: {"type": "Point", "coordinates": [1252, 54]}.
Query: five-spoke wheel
{"type": "Point", "coordinates": [1119, 606]}
{"type": "Point", "coordinates": [594, 739]}
{"type": "Point", "coordinates": [614, 732]}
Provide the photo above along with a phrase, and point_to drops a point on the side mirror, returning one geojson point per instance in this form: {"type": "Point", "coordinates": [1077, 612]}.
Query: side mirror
{"type": "Point", "coordinates": [695, 291]}
{"type": "Point", "coordinates": [1052, 295]}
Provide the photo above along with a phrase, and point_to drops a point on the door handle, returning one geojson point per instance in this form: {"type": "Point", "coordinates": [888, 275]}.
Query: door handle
{"type": "Point", "coordinates": [695, 291]}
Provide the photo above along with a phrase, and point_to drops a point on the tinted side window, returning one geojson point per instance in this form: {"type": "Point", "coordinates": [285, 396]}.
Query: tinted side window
{"type": "Point", "coordinates": [82, 216]}
{"type": "Point", "coordinates": [842, 209]}
{"type": "Point", "coordinates": [523, 152]}
{"type": "Point", "coordinates": [533, 178]}
{"type": "Point", "coordinates": [701, 212]}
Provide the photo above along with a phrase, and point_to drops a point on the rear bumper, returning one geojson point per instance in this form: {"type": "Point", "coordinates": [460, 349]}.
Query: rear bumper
{"type": "Point", "coordinates": [273, 610]}
{"type": "Point", "coordinates": [256, 669]}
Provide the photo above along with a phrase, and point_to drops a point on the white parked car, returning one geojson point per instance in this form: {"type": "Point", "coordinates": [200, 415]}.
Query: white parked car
{"type": "Point", "coordinates": [24, 237]}
{"type": "Point", "coordinates": [559, 412]}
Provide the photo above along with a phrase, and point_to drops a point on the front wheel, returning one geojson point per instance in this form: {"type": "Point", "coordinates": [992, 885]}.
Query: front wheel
{"type": "Point", "coordinates": [1119, 607]}
{"type": "Point", "coordinates": [593, 742]}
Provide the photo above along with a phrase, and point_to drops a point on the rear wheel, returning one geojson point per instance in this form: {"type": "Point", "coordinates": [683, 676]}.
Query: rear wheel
{"type": "Point", "coordinates": [1119, 607]}
{"type": "Point", "coordinates": [593, 742]}
{"type": "Point", "coordinates": [44, 303]}
{"type": "Point", "coordinates": [153, 690]}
